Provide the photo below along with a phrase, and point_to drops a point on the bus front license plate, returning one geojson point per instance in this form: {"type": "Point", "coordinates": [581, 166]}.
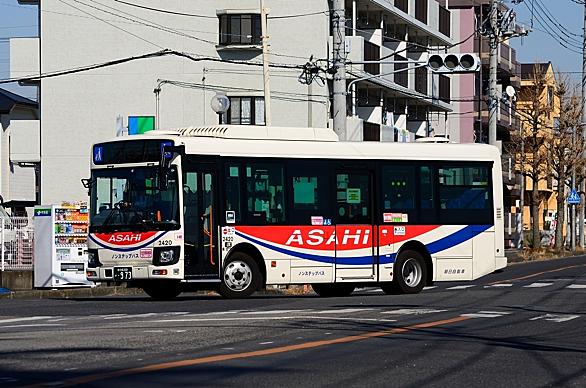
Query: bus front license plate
{"type": "Point", "coordinates": [122, 273]}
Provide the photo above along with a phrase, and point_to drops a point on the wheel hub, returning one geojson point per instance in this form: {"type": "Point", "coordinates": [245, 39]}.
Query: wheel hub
{"type": "Point", "coordinates": [412, 272]}
{"type": "Point", "coordinates": [237, 276]}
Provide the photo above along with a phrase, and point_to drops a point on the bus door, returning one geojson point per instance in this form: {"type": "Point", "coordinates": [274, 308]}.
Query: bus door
{"type": "Point", "coordinates": [355, 228]}
{"type": "Point", "coordinates": [200, 222]}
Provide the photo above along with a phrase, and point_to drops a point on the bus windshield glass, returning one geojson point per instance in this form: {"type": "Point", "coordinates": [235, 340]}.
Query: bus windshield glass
{"type": "Point", "coordinates": [134, 199]}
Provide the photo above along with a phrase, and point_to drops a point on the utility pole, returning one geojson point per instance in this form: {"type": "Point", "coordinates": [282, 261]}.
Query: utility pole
{"type": "Point", "coordinates": [339, 64]}
{"type": "Point", "coordinates": [583, 185]}
{"type": "Point", "coordinates": [493, 100]}
{"type": "Point", "coordinates": [265, 62]}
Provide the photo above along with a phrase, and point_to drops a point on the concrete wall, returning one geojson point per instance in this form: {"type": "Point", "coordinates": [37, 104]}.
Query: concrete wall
{"type": "Point", "coordinates": [16, 280]}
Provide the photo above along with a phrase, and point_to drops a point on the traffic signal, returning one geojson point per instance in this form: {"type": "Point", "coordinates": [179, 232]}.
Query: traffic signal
{"type": "Point", "coordinates": [453, 63]}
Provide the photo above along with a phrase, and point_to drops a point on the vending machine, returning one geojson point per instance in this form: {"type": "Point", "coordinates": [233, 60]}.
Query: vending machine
{"type": "Point", "coordinates": [61, 246]}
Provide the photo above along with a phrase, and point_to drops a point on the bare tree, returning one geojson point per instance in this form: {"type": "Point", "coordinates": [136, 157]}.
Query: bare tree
{"type": "Point", "coordinates": [533, 109]}
{"type": "Point", "coordinates": [565, 147]}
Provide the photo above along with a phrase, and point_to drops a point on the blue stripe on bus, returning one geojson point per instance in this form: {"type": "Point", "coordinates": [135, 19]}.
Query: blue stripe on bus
{"type": "Point", "coordinates": [456, 238]}
{"type": "Point", "coordinates": [442, 244]}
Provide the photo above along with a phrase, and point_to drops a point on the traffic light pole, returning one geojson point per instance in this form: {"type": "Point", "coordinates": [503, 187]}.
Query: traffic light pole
{"type": "Point", "coordinates": [493, 63]}
{"type": "Point", "coordinates": [339, 64]}
{"type": "Point", "coordinates": [582, 131]}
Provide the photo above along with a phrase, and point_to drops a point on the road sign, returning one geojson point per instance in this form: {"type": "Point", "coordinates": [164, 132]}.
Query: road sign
{"type": "Point", "coordinates": [573, 198]}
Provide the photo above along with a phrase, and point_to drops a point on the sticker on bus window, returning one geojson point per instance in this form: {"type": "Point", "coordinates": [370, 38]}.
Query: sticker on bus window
{"type": "Point", "coordinates": [352, 195]}
{"type": "Point", "coordinates": [394, 217]}
{"type": "Point", "coordinates": [317, 220]}
{"type": "Point", "coordinates": [404, 217]}
{"type": "Point", "coordinates": [327, 221]}
{"type": "Point", "coordinates": [230, 217]}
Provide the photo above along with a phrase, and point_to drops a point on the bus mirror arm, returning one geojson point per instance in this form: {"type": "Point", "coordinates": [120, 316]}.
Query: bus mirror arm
{"type": "Point", "coordinates": [167, 154]}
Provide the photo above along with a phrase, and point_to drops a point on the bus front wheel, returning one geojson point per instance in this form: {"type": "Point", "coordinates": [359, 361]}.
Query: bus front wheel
{"type": "Point", "coordinates": [162, 290]}
{"type": "Point", "coordinates": [241, 277]}
{"type": "Point", "coordinates": [332, 290]}
{"type": "Point", "coordinates": [410, 273]}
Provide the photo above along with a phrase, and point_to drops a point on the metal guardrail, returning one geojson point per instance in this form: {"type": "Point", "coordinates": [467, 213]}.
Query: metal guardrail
{"type": "Point", "coordinates": [16, 244]}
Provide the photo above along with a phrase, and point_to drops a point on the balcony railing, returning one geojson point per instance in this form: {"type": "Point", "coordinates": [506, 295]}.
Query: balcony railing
{"type": "Point", "coordinates": [421, 10]}
{"type": "Point", "coordinates": [444, 21]}
{"type": "Point", "coordinates": [403, 5]}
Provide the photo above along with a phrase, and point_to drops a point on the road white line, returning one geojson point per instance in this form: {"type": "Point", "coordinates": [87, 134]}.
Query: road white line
{"type": "Point", "coordinates": [275, 312]}
{"type": "Point", "coordinates": [23, 319]}
{"type": "Point", "coordinates": [500, 285]}
{"type": "Point", "coordinates": [481, 314]}
{"type": "Point", "coordinates": [537, 285]}
{"type": "Point", "coordinates": [577, 286]}
{"type": "Point", "coordinates": [340, 311]}
{"type": "Point", "coordinates": [461, 287]}
{"type": "Point", "coordinates": [266, 343]}
{"type": "Point", "coordinates": [153, 331]}
{"type": "Point", "coordinates": [495, 312]}
{"type": "Point", "coordinates": [130, 316]}
{"type": "Point", "coordinates": [429, 288]}
{"type": "Point", "coordinates": [33, 325]}
{"type": "Point", "coordinates": [555, 317]}
{"type": "Point", "coordinates": [413, 311]}
{"type": "Point", "coordinates": [285, 318]}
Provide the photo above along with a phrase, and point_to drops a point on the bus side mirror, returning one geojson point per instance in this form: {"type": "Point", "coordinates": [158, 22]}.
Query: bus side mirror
{"type": "Point", "coordinates": [88, 184]}
{"type": "Point", "coordinates": [168, 152]}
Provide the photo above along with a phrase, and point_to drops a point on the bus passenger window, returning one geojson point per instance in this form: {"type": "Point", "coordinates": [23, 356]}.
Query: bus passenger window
{"type": "Point", "coordinates": [232, 190]}
{"type": "Point", "coordinates": [398, 187]}
{"type": "Point", "coordinates": [264, 190]}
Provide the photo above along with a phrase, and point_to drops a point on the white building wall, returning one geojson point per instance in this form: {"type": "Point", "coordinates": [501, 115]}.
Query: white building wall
{"type": "Point", "coordinates": [82, 108]}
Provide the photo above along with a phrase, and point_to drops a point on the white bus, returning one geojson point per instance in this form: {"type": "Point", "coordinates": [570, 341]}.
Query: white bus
{"type": "Point", "coordinates": [236, 208]}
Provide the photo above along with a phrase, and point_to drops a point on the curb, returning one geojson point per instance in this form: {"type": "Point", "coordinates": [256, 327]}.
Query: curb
{"type": "Point", "coordinates": [72, 293]}
{"type": "Point", "coordinates": [111, 291]}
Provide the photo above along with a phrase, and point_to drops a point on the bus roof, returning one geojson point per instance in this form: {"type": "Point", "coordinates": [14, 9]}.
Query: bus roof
{"type": "Point", "coordinates": [318, 143]}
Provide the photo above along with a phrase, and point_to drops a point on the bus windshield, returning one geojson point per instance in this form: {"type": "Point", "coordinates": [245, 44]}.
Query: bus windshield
{"type": "Point", "coordinates": [129, 199]}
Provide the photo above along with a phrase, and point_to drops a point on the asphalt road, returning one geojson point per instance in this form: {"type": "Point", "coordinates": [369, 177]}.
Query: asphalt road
{"type": "Point", "coordinates": [522, 327]}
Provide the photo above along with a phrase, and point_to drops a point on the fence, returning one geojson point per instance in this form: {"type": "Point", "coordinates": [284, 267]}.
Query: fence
{"type": "Point", "coordinates": [17, 245]}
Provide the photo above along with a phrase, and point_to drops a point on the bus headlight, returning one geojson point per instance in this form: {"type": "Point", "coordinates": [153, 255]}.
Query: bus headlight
{"type": "Point", "coordinates": [166, 255]}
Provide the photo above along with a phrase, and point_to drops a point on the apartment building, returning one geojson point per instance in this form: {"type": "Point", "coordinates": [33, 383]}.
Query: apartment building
{"type": "Point", "coordinates": [385, 101]}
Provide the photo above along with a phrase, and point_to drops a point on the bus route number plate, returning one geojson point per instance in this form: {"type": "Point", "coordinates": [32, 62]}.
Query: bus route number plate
{"type": "Point", "coordinates": [122, 273]}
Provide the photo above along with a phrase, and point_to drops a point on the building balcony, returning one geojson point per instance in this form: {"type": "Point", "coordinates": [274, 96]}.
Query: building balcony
{"type": "Point", "coordinates": [24, 58]}
{"type": "Point", "coordinates": [425, 19]}
{"type": "Point", "coordinates": [507, 56]}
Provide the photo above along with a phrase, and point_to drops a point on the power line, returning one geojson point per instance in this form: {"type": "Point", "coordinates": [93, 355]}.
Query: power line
{"type": "Point", "coordinates": [165, 11]}
{"type": "Point", "coordinates": [111, 24]}
{"type": "Point", "coordinates": [161, 53]}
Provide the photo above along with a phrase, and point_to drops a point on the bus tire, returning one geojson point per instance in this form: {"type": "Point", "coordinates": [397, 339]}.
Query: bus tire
{"type": "Point", "coordinates": [241, 277]}
{"type": "Point", "coordinates": [410, 273]}
{"type": "Point", "coordinates": [162, 290]}
{"type": "Point", "coordinates": [326, 290]}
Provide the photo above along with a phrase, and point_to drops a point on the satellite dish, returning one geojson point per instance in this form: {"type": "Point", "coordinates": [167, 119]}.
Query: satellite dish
{"type": "Point", "coordinates": [220, 103]}
{"type": "Point", "coordinates": [510, 91]}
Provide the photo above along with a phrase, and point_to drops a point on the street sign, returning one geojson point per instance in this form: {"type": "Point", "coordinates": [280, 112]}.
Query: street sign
{"type": "Point", "coordinates": [573, 198]}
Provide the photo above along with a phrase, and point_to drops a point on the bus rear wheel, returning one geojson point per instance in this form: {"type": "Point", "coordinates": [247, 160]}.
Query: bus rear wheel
{"type": "Point", "coordinates": [162, 290]}
{"type": "Point", "coordinates": [333, 290]}
{"type": "Point", "coordinates": [410, 274]}
{"type": "Point", "coordinates": [241, 277]}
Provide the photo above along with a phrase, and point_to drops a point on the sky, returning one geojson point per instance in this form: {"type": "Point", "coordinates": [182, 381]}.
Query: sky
{"type": "Point", "coordinates": [564, 20]}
